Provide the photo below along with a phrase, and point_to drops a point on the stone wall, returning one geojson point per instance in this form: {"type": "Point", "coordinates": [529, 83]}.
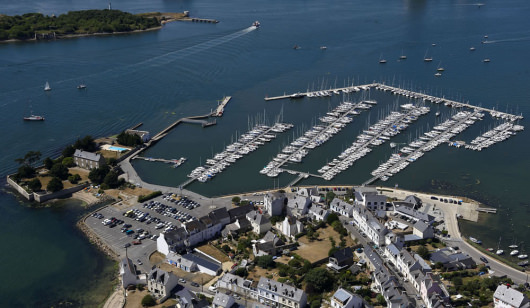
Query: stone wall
{"type": "Point", "coordinates": [20, 189]}
{"type": "Point", "coordinates": [65, 192]}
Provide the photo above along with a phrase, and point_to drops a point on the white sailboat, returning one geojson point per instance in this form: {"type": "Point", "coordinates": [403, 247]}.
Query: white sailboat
{"type": "Point", "coordinates": [381, 60]}
{"type": "Point", "coordinates": [499, 250]}
{"type": "Point", "coordinates": [440, 68]}
{"type": "Point", "coordinates": [47, 87]}
{"type": "Point", "coordinates": [402, 57]}
{"type": "Point", "coordinates": [427, 59]}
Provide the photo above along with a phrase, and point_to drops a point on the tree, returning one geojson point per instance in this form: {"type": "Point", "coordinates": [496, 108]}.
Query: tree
{"type": "Point", "coordinates": [74, 178]}
{"type": "Point", "coordinates": [54, 185]}
{"type": "Point", "coordinates": [86, 144]}
{"type": "Point", "coordinates": [48, 163]}
{"type": "Point", "coordinates": [319, 279]}
{"type": "Point", "coordinates": [111, 179]}
{"type": "Point", "coordinates": [265, 262]}
{"type": "Point", "coordinates": [226, 248]}
{"type": "Point", "coordinates": [275, 219]}
{"type": "Point", "coordinates": [68, 161]}
{"type": "Point", "coordinates": [241, 272]}
{"type": "Point", "coordinates": [98, 175]}
{"type": "Point", "coordinates": [34, 185]}
{"type": "Point", "coordinates": [68, 151]}
{"type": "Point", "coordinates": [59, 170]}
{"type": "Point", "coordinates": [330, 196]}
{"type": "Point", "coordinates": [148, 301]}
{"type": "Point", "coordinates": [236, 200]}
{"type": "Point", "coordinates": [380, 300]}
{"type": "Point", "coordinates": [423, 252]}
{"type": "Point", "coordinates": [26, 171]}
{"type": "Point", "coordinates": [331, 218]}
{"type": "Point", "coordinates": [30, 158]}
{"type": "Point", "coordinates": [129, 139]}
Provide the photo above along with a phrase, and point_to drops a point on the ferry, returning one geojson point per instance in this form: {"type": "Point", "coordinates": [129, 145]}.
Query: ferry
{"type": "Point", "coordinates": [34, 118]}
{"type": "Point", "coordinates": [256, 24]}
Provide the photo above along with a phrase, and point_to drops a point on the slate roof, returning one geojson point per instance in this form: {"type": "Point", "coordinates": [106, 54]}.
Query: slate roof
{"type": "Point", "coordinates": [257, 218]}
{"type": "Point", "coordinates": [281, 289]}
{"type": "Point", "coordinates": [240, 211]}
{"type": "Point", "coordinates": [222, 300]}
{"type": "Point", "coordinates": [343, 254]}
{"type": "Point", "coordinates": [511, 296]}
{"type": "Point", "coordinates": [209, 264]}
{"type": "Point", "coordinates": [87, 155]}
{"type": "Point", "coordinates": [421, 226]}
{"type": "Point", "coordinates": [160, 276]}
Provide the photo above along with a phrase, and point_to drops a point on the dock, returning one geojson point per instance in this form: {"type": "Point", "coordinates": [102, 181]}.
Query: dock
{"type": "Point", "coordinates": [397, 164]}
{"type": "Point", "coordinates": [206, 20]}
{"type": "Point", "coordinates": [162, 160]}
{"type": "Point", "coordinates": [487, 210]}
{"type": "Point", "coordinates": [316, 93]}
{"type": "Point", "coordinates": [245, 145]}
{"type": "Point", "coordinates": [221, 107]}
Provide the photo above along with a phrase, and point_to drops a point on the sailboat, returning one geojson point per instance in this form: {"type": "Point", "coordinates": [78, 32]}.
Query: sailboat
{"type": "Point", "coordinates": [472, 49]}
{"type": "Point", "coordinates": [81, 86]}
{"type": "Point", "coordinates": [486, 60]}
{"type": "Point", "coordinates": [440, 68]}
{"type": "Point", "coordinates": [381, 60]}
{"type": "Point", "coordinates": [47, 87]}
{"type": "Point", "coordinates": [438, 74]}
{"type": "Point", "coordinates": [499, 250]}
{"type": "Point", "coordinates": [427, 59]}
{"type": "Point", "coordinates": [402, 57]}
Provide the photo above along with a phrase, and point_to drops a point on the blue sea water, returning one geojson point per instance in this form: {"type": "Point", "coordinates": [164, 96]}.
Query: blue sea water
{"type": "Point", "coordinates": [184, 68]}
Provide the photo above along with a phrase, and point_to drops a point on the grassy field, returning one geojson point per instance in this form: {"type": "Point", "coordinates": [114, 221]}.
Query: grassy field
{"type": "Point", "coordinates": [319, 248]}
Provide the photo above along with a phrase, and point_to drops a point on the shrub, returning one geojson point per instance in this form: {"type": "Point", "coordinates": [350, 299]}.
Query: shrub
{"type": "Point", "coordinates": [265, 262]}
{"type": "Point", "coordinates": [34, 185]}
{"type": "Point", "coordinates": [74, 178]}
{"type": "Point", "coordinates": [236, 200]}
{"type": "Point", "coordinates": [148, 301]}
{"type": "Point", "coordinates": [150, 196]}
{"type": "Point", "coordinates": [54, 185]}
{"type": "Point", "coordinates": [68, 161]}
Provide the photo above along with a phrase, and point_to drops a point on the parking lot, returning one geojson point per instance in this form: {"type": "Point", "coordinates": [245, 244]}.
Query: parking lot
{"type": "Point", "coordinates": [137, 227]}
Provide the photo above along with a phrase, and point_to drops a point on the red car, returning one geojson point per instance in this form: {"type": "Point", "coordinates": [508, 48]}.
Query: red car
{"type": "Point", "coordinates": [137, 242]}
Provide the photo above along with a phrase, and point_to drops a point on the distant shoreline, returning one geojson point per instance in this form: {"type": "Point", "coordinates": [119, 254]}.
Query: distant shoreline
{"type": "Point", "coordinates": [169, 17]}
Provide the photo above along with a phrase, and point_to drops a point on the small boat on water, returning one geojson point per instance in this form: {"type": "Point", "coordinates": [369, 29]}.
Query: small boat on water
{"type": "Point", "coordinates": [33, 118]}
{"type": "Point", "coordinates": [437, 113]}
{"type": "Point", "coordinates": [402, 57]}
{"type": "Point", "coordinates": [47, 87]}
{"type": "Point", "coordinates": [523, 264]}
{"type": "Point", "coordinates": [427, 59]}
{"type": "Point", "coordinates": [490, 249]}
{"type": "Point", "coordinates": [522, 256]}
{"type": "Point", "coordinates": [487, 60]}
{"type": "Point", "coordinates": [514, 253]}
{"type": "Point", "coordinates": [296, 47]}
{"type": "Point", "coordinates": [474, 240]}
{"type": "Point", "coordinates": [297, 95]}
{"type": "Point", "coordinates": [323, 48]}
{"type": "Point", "coordinates": [513, 246]}
{"type": "Point", "coordinates": [81, 86]}
{"type": "Point", "coordinates": [256, 24]}
{"type": "Point", "coordinates": [499, 252]}
{"type": "Point", "coordinates": [438, 74]}
{"type": "Point", "coordinates": [472, 49]}
{"type": "Point", "coordinates": [440, 68]}
{"type": "Point", "coordinates": [381, 60]}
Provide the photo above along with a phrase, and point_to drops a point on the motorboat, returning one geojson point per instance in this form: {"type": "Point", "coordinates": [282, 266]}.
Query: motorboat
{"type": "Point", "coordinates": [34, 118]}
{"type": "Point", "coordinates": [256, 24]}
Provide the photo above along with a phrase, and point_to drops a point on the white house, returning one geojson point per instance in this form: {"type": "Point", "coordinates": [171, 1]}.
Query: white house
{"type": "Point", "coordinates": [275, 294]}
{"type": "Point", "coordinates": [344, 299]}
{"type": "Point", "coordinates": [370, 199]}
{"type": "Point", "coordinates": [423, 230]}
{"type": "Point", "coordinates": [194, 263]}
{"type": "Point", "coordinates": [506, 297]}
{"type": "Point", "coordinates": [160, 283]}
{"type": "Point", "coordinates": [298, 206]}
{"type": "Point", "coordinates": [310, 192]}
{"type": "Point", "coordinates": [318, 213]}
{"type": "Point", "coordinates": [340, 207]}
{"type": "Point", "coordinates": [128, 273]}
{"type": "Point", "coordinates": [237, 285]}
{"type": "Point", "coordinates": [274, 203]}
{"type": "Point", "coordinates": [260, 224]}
{"type": "Point", "coordinates": [222, 300]}
{"type": "Point", "coordinates": [291, 226]}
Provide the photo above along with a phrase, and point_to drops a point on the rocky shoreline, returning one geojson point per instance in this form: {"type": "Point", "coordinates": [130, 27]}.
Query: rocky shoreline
{"type": "Point", "coordinates": [95, 240]}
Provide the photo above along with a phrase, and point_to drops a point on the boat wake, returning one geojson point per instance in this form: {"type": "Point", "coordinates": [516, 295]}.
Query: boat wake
{"type": "Point", "coordinates": [520, 39]}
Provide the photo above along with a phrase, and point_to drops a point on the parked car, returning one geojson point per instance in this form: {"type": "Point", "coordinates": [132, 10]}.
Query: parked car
{"type": "Point", "coordinates": [194, 284]}
{"type": "Point", "coordinates": [483, 259]}
{"type": "Point", "coordinates": [182, 280]}
{"type": "Point", "coordinates": [127, 245]}
{"type": "Point", "coordinates": [139, 261]}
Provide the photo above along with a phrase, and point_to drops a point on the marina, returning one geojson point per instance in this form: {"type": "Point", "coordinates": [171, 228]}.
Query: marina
{"type": "Point", "coordinates": [331, 124]}
{"type": "Point", "coordinates": [441, 133]}
{"type": "Point", "coordinates": [376, 135]}
{"type": "Point", "coordinates": [245, 144]}
{"type": "Point", "coordinates": [323, 93]}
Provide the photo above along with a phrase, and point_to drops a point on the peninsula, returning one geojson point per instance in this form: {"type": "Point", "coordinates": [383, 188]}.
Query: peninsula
{"type": "Point", "coordinates": [36, 26]}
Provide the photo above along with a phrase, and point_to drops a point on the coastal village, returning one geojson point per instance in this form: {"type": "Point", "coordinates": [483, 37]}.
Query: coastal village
{"type": "Point", "coordinates": [348, 246]}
